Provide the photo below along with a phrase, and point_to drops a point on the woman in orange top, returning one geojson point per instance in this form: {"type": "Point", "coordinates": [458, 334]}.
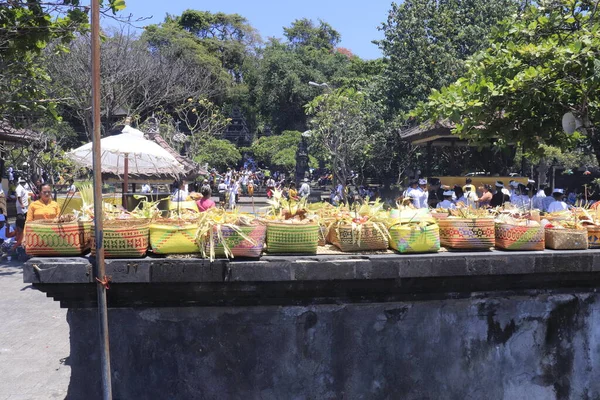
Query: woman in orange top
{"type": "Point", "coordinates": [45, 207]}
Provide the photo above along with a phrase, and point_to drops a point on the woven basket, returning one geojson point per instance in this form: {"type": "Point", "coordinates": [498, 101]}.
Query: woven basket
{"type": "Point", "coordinates": [323, 234]}
{"type": "Point", "coordinates": [566, 239]}
{"type": "Point", "coordinates": [439, 215]}
{"type": "Point", "coordinates": [467, 234]}
{"type": "Point", "coordinates": [593, 237]}
{"type": "Point", "coordinates": [45, 238]}
{"type": "Point", "coordinates": [415, 238]}
{"type": "Point", "coordinates": [292, 238]}
{"type": "Point", "coordinates": [344, 238]}
{"type": "Point", "coordinates": [174, 237]}
{"type": "Point", "coordinates": [239, 246]}
{"type": "Point", "coordinates": [124, 238]}
{"type": "Point", "coordinates": [514, 237]}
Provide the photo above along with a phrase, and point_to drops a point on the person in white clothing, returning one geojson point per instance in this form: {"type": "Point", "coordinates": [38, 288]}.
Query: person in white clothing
{"type": "Point", "coordinates": [304, 188]}
{"type": "Point", "coordinates": [514, 192]}
{"type": "Point", "coordinates": [447, 203]}
{"type": "Point", "coordinates": [146, 188]}
{"type": "Point", "coordinates": [414, 194]}
{"type": "Point", "coordinates": [547, 200]}
{"type": "Point", "coordinates": [22, 198]}
{"type": "Point", "coordinates": [538, 199]}
{"type": "Point", "coordinates": [234, 189]}
{"type": "Point", "coordinates": [423, 194]}
{"type": "Point", "coordinates": [179, 193]}
{"type": "Point", "coordinates": [558, 204]}
{"type": "Point", "coordinates": [470, 197]}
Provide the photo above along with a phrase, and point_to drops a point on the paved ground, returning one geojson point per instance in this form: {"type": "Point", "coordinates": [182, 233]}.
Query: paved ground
{"type": "Point", "coordinates": [34, 341]}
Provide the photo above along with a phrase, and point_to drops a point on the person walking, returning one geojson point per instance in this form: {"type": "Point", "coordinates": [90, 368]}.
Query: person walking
{"type": "Point", "coordinates": [233, 191]}
{"type": "Point", "coordinates": [304, 188]}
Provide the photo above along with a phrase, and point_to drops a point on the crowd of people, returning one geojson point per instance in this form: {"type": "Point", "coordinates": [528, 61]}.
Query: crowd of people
{"type": "Point", "coordinates": [230, 185]}
{"type": "Point", "coordinates": [519, 195]}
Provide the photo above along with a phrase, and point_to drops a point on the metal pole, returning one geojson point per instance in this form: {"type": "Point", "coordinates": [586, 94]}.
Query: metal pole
{"type": "Point", "coordinates": [100, 270]}
{"type": "Point", "coordinates": [125, 181]}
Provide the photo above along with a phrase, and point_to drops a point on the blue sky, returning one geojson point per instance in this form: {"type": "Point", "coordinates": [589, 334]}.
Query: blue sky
{"type": "Point", "coordinates": [357, 21]}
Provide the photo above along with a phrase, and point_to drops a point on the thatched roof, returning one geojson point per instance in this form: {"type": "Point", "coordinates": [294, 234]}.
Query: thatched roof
{"type": "Point", "coordinates": [192, 168]}
{"type": "Point", "coordinates": [10, 134]}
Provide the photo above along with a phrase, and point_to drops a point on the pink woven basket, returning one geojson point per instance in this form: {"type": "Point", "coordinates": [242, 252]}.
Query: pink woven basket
{"type": "Point", "coordinates": [467, 234]}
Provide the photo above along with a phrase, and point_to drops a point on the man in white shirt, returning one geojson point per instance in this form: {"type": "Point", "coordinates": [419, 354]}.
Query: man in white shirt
{"type": "Point", "coordinates": [558, 204]}
{"type": "Point", "coordinates": [423, 194]}
{"type": "Point", "coordinates": [304, 189]}
{"type": "Point", "coordinates": [22, 198]}
{"type": "Point", "coordinates": [146, 188]}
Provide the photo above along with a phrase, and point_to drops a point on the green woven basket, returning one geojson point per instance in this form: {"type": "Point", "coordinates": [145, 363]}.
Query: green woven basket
{"type": "Point", "coordinates": [292, 238]}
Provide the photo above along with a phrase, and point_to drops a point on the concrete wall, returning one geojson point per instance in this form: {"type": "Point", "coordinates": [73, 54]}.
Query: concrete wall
{"type": "Point", "coordinates": [518, 345]}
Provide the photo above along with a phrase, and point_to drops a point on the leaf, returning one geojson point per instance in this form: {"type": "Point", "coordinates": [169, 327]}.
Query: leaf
{"type": "Point", "coordinates": [117, 5]}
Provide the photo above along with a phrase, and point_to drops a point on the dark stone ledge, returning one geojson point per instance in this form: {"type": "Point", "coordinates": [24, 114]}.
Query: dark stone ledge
{"type": "Point", "coordinates": [302, 280]}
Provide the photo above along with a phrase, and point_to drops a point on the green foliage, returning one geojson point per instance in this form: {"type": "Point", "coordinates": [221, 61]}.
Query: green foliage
{"type": "Point", "coordinates": [211, 39]}
{"type": "Point", "coordinates": [279, 86]}
{"type": "Point", "coordinates": [171, 38]}
{"type": "Point", "coordinates": [27, 28]}
{"type": "Point", "coordinates": [538, 66]}
{"type": "Point", "coordinates": [341, 124]}
{"type": "Point", "coordinates": [304, 32]}
{"type": "Point", "coordinates": [217, 153]}
{"type": "Point", "coordinates": [427, 41]}
{"type": "Point", "coordinates": [277, 151]}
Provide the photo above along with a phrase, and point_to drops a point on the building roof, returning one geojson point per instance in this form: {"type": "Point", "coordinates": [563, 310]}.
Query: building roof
{"type": "Point", "coordinates": [429, 132]}
{"type": "Point", "coordinates": [192, 168]}
{"type": "Point", "coordinates": [10, 134]}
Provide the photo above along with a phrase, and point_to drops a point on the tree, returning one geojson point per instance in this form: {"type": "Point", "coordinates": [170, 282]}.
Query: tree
{"type": "Point", "coordinates": [538, 66]}
{"type": "Point", "coordinates": [217, 153]}
{"type": "Point", "coordinates": [278, 151]}
{"type": "Point", "coordinates": [27, 27]}
{"type": "Point", "coordinates": [279, 86]}
{"type": "Point", "coordinates": [427, 41]}
{"type": "Point", "coordinates": [133, 78]}
{"type": "Point", "coordinates": [215, 41]}
{"type": "Point", "coordinates": [340, 123]}
{"type": "Point", "coordinates": [304, 32]}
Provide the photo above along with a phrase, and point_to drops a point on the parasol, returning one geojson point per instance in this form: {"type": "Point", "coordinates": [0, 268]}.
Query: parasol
{"type": "Point", "coordinates": [129, 153]}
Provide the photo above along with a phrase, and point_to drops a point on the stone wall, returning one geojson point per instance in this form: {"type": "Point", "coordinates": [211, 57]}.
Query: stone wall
{"type": "Point", "coordinates": [488, 325]}
{"type": "Point", "coordinates": [534, 346]}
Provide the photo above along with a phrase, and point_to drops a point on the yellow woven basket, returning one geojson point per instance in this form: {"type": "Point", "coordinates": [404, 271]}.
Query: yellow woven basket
{"type": "Point", "coordinates": [174, 237]}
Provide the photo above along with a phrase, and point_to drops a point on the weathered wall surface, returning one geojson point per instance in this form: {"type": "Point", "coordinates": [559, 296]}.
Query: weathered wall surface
{"type": "Point", "coordinates": [518, 346]}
